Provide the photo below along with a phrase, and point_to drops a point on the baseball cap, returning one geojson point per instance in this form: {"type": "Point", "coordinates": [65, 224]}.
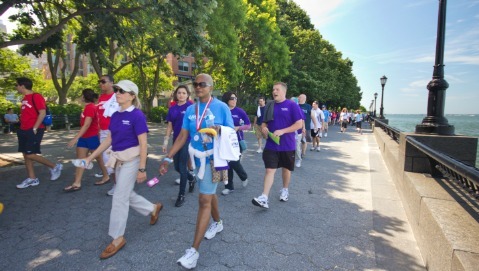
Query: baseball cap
{"type": "Point", "coordinates": [127, 85]}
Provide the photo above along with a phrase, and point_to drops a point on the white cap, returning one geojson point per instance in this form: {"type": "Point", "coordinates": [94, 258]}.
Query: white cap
{"type": "Point", "coordinates": [127, 85]}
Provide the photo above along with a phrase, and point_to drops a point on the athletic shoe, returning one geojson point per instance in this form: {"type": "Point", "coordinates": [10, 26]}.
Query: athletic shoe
{"type": "Point", "coordinates": [99, 175]}
{"type": "Point", "coordinates": [284, 195]}
{"type": "Point", "coordinates": [320, 134]}
{"type": "Point", "coordinates": [215, 227]}
{"type": "Point", "coordinates": [180, 200]}
{"type": "Point", "coordinates": [312, 149]}
{"type": "Point", "coordinates": [111, 191]}
{"type": "Point", "coordinates": [82, 163]}
{"type": "Point", "coordinates": [56, 172]}
{"type": "Point", "coordinates": [325, 134]}
{"type": "Point", "coordinates": [177, 181]}
{"type": "Point", "coordinates": [261, 201]}
{"type": "Point", "coordinates": [28, 182]}
{"type": "Point", "coordinates": [190, 258]}
{"type": "Point", "coordinates": [227, 191]}
{"type": "Point", "coordinates": [259, 150]}
{"type": "Point", "coordinates": [245, 183]}
{"type": "Point", "coordinates": [318, 149]}
{"type": "Point", "coordinates": [298, 163]}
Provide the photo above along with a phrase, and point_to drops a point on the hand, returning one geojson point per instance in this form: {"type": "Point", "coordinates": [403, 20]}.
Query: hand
{"type": "Point", "coordinates": [278, 132]}
{"type": "Point", "coordinates": [265, 131]}
{"type": "Point", "coordinates": [164, 149]}
{"type": "Point", "coordinates": [141, 177]}
{"type": "Point", "coordinates": [163, 167]}
{"type": "Point", "coordinates": [72, 143]}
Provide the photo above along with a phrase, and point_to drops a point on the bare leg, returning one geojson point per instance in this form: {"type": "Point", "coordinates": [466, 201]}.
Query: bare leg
{"type": "Point", "coordinates": [81, 153]}
{"type": "Point", "coordinates": [286, 177]}
{"type": "Point", "coordinates": [30, 158]}
{"type": "Point", "coordinates": [268, 180]}
{"type": "Point", "coordinates": [205, 211]}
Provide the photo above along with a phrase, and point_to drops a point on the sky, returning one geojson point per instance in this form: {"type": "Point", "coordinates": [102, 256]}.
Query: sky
{"type": "Point", "coordinates": [397, 38]}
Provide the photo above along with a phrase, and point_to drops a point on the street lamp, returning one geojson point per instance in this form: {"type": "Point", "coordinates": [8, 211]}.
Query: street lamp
{"type": "Point", "coordinates": [435, 122]}
{"type": "Point", "coordinates": [383, 79]}
{"type": "Point", "coordinates": [375, 97]}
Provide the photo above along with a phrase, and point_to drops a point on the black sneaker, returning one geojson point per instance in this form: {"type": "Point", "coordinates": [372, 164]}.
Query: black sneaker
{"type": "Point", "coordinates": [180, 200]}
{"type": "Point", "coordinates": [191, 187]}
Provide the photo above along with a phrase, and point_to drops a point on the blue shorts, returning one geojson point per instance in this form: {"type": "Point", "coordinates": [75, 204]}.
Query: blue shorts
{"type": "Point", "coordinates": [90, 143]}
{"type": "Point", "coordinates": [29, 142]}
{"type": "Point", "coordinates": [207, 186]}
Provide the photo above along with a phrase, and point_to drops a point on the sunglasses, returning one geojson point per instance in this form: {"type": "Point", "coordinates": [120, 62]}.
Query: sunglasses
{"type": "Point", "coordinates": [102, 81]}
{"type": "Point", "coordinates": [233, 98]}
{"type": "Point", "coordinates": [201, 84]}
{"type": "Point", "coordinates": [120, 90]}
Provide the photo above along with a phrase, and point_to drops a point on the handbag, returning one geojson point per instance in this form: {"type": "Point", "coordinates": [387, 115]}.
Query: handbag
{"type": "Point", "coordinates": [243, 145]}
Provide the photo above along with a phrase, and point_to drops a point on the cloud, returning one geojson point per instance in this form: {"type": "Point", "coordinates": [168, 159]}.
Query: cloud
{"type": "Point", "coordinates": [323, 12]}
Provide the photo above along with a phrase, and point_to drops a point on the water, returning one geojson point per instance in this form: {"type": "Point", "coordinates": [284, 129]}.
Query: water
{"type": "Point", "coordinates": [467, 125]}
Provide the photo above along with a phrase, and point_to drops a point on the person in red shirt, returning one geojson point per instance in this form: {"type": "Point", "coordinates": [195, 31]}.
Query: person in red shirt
{"type": "Point", "coordinates": [107, 105]}
{"type": "Point", "coordinates": [87, 139]}
{"type": "Point", "coordinates": [31, 131]}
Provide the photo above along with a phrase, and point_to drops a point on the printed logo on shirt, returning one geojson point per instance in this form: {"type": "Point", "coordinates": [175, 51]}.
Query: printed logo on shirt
{"type": "Point", "coordinates": [25, 103]}
{"type": "Point", "coordinates": [235, 116]}
{"type": "Point", "coordinates": [125, 122]}
{"type": "Point", "coordinates": [100, 105]}
{"type": "Point", "coordinates": [284, 109]}
{"type": "Point", "coordinates": [192, 117]}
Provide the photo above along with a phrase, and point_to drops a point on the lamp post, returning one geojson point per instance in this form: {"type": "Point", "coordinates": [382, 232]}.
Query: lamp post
{"type": "Point", "coordinates": [435, 122]}
{"type": "Point", "coordinates": [371, 110]}
{"type": "Point", "coordinates": [383, 79]}
{"type": "Point", "coordinates": [375, 97]}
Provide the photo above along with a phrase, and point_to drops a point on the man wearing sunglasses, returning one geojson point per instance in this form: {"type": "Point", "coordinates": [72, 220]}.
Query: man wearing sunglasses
{"type": "Point", "coordinates": [107, 105]}
{"type": "Point", "coordinates": [208, 112]}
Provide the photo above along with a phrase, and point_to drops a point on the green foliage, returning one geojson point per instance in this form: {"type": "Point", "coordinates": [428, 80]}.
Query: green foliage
{"type": "Point", "coordinates": [67, 109]}
{"type": "Point", "coordinates": [4, 105]}
{"type": "Point", "coordinates": [158, 114]}
{"type": "Point", "coordinates": [12, 66]}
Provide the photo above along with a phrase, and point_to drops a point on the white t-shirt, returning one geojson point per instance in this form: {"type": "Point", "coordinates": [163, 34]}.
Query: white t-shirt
{"type": "Point", "coordinates": [318, 113]}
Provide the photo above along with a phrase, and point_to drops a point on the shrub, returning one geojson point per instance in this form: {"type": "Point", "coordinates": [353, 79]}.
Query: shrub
{"type": "Point", "coordinates": [158, 114]}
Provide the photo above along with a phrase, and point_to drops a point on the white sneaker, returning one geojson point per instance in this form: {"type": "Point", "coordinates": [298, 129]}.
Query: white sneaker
{"type": "Point", "coordinates": [298, 163]}
{"type": "Point", "coordinates": [28, 182]}
{"type": "Point", "coordinates": [325, 134]}
{"type": "Point", "coordinates": [245, 183]}
{"type": "Point", "coordinates": [312, 149]}
{"type": "Point", "coordinates": [261, 201]}
{"type": "Point", "coordinates": [178, 181]}
{"type": "Point", "coordinates": [226, 191]}
{"type": "Point", "coordinates": [56, 172]}
{"type": "Point", "coordinates": [320, 134]}
{"type": "Point", "coordinates": [318, 149]}
{"type": "Point", "coordinates": [82, 163]}
{"type": "Point", "coordinates": [284, 195]}
{"type": "Point", "coordinates": [99, 175]}
{"type": "Point", "coordinates": [259, 150]}
{"type": "Point", "coordinates": [111, 191]}
{"type": "Point", "coordinates": [215, 227]}
{"type": "Point", "coordinates": [190, 258]}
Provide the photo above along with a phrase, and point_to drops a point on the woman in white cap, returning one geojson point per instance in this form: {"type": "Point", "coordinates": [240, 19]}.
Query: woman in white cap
{"type": "Point", "coordinates": [128, 140]}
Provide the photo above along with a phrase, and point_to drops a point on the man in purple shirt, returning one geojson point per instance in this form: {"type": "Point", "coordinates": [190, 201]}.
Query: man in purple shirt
{"type": "Point", "coordinates": [286, 120]}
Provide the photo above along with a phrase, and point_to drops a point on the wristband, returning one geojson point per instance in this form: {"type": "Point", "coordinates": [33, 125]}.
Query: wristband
{"type": "Point", "coordinates": [168, 160]}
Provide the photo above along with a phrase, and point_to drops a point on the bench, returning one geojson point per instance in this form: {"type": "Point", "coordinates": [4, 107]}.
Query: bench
{"type": "Point", "coordinates": [65, 122]}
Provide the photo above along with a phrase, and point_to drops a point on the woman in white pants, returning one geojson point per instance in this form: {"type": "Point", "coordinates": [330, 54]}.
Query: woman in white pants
{"type": "Point", "coordinates": [128, 130]}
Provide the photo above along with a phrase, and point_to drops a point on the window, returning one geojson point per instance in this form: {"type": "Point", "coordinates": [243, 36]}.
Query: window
{"type": "Point", "coordinates": [183, 66]}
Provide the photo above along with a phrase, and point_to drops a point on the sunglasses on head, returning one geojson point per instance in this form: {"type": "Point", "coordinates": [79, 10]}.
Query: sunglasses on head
{"type": "Point", "coordinates": [102, 81]}
{"type": "Point", "coordinates": [120, 90]}
{"type": "Point", "coordinates": [233, 98]}
{"type": "Point", "coordinates": [201, 84]}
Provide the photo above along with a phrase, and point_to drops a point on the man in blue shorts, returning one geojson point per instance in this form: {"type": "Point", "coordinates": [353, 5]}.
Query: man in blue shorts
{"type": "Point", "coordinates": [208, 112]}
{"type": "Point", "coordinates": [286, 119]}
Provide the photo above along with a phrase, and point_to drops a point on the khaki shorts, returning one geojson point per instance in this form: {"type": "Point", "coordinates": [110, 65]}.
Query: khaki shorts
{"type": "Point", "coordinates": [325, 125]}
{"type": "Point", "coordinates": [257, 131]}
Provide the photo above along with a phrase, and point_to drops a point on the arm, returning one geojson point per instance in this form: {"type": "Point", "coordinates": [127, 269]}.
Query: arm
{"type": "Point", "coordinates": [264, 130]}
{"type": "Point", "coordinates": [179, 142]}
{"type": "Point", "coordinates": [103, 146]}
{"type": "Point", "coordinates": [80, 133]}
{"type": "Point", "coordinates": [315, 120]}
{"type": "Point", "coordinates": [38, 122]}
{"type": "Point", "coordinates": [169, 128]}
{"type": "Point", "coordinates": [142, 139]}
{"type": "Point", "coordinates": [296, 126]}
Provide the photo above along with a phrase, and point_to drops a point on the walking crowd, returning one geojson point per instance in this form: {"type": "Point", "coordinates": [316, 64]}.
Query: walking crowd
{"type": "Point", "coordinates": [207, 147]}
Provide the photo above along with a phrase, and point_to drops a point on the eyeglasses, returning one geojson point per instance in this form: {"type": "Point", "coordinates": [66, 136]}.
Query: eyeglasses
{"type": "Point", "coordinates": [102, 81]}
{"type": "Point", "coordinates": [233, 98]}
{"type": "Point", "coordinates": [201, 84]}
{"type": "Point", "coordinates": [120, 90]}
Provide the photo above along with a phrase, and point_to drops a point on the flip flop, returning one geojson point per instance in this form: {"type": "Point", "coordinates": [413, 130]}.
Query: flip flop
{"type": "Point", "coordinates": [71, 188]}
{"type": "Point", "coordinates": [102, 182]}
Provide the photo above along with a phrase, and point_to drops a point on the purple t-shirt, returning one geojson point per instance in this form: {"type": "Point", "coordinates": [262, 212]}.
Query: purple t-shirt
{"type": "Point", "coordinates": [125, 127]}
{"type": "Point", "coordinates": [239, 114]}
{"type": "Point", "coordinates": [175, 116]}
{"type": "Point", "coordinates": [286, 114]}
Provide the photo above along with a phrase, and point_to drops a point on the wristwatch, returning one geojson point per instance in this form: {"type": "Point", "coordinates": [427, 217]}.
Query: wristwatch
{"type": "Point", "coordinates": [142, 170]}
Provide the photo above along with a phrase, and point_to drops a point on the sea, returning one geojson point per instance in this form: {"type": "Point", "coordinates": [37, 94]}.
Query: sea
{"type": "Point", "coordinates": [467, 124]}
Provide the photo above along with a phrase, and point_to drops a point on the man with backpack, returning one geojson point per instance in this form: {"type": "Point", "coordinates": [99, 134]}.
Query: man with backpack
{"type": "Point", "coordinates": [30, 134]}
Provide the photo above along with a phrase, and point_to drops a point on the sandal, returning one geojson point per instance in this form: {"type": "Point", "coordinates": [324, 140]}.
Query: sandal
{"type": "Point", "coordinates": [71, 188]}
{"type": "Point", "coordinates": [102, 182]}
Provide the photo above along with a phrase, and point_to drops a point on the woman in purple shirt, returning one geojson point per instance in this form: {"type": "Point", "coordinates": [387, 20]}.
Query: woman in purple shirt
{"type": "Point", "coordinates": [241, 122]}
{"type": "Point", "coordinates": [129, 144]}
{"type": "Point", "coordinates": [175, 121]}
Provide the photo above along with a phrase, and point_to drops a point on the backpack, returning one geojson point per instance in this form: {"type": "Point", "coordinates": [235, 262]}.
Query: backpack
{"type": "Point", "coordinates": [47, 121]}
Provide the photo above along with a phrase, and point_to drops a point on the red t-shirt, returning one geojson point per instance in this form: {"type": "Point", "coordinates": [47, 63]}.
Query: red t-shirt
{"type": "Point", "coordinates": [29, 110]}
{"type": "Point", "coordinates": [103, 121]}
{"type": "Point", "coordinates": [90, 111]}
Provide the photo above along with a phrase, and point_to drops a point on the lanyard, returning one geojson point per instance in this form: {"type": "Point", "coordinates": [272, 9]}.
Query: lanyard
{"type": "Point", "coordinates": [200, 120]}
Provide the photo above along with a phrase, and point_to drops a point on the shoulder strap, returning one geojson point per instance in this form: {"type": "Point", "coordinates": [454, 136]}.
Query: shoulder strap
{"type": "Point", "coordinates": [33, 102]}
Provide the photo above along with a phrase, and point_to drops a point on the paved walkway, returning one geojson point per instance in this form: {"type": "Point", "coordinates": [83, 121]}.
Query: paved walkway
{"type": "Point", "coordinates": [343, 214]}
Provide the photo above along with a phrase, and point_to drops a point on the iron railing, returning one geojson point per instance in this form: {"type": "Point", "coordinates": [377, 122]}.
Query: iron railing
{"type": "Point", "coordinates": [391, 131]}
